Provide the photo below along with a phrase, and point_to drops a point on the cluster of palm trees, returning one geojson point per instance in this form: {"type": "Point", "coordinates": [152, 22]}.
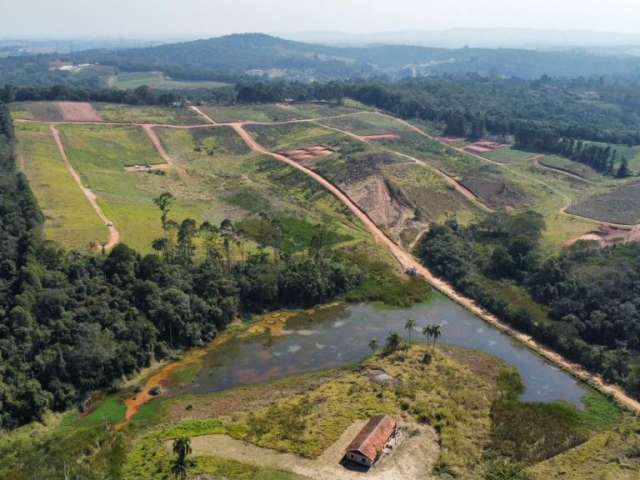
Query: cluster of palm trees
{"type": "Point", "coordinates": [432, 331]}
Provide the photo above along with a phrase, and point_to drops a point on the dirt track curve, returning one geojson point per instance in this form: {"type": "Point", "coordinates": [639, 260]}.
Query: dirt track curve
{"type": "Point", "coordinates": [114, 234]}
{"type": "Point", "coordinates": [408, 262]}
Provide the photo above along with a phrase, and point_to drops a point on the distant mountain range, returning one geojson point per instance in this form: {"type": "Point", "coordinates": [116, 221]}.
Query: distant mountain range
{"type": "Point", "coordinates": [480, 38]}
{"type": "Point", "coordinates": [260, 54]}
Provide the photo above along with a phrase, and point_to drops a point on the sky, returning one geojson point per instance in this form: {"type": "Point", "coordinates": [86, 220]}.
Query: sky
{"type": "Point", "coordinates": [206, 18]}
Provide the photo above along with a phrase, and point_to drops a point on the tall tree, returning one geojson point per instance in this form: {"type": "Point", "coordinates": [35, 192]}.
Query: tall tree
{"type": "Point", "coordinates": [182, 449]}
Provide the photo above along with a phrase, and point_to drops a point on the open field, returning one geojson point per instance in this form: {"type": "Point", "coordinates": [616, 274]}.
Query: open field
{"type": "Point", "coordinates": [132, 80]}
{"type": "Point", "coordinates": [508, 155]}
{"type": "Point", "coordinates": [100, 154]}
{"type": "Point", "coordinates": [251, 184]}
{"type": "Point", "coordinates": [274, 112]}
{"type": "Point", "coordinates": [147, 114]}
{"type": "Point", "coordinates": [367, 124]}
{"type": "Point", "coordinates": [621, 205]}
{"type": "Point", "coordinates": [69, 218]}
{"type": "Point", "coordinates": [39, 111]}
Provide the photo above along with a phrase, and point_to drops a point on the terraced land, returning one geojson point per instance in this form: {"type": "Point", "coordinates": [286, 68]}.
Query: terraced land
{"type": "Point", "coordinates": [69, 218]}
{"type": "Point", "coordinates": [274, 112]}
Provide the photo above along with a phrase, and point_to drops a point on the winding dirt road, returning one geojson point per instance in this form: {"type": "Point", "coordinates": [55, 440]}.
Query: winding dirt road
{"type": "Point", "coordinates": [114, 234]}
{"type": "Point", "coordinates": [536, 161]}
{"type": "Point", "coordinates": [408, 262]}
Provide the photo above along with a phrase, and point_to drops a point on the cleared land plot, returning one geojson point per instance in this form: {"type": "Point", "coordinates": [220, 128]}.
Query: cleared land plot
{"type": "Point", "coordinates": [621, 205]}
{"type": "Point", "coordinates": [69, 218]}
{"type": "Point", "coordinates": [100, 154]}
{"type": "Point", "coordinates": [132, 80]}
{"type": "Point", "coordinates": [273, 112]}
{"type": "Point", "coordinates": [147, 114]}
{"type": "Point", "coordinates": [37, 111]}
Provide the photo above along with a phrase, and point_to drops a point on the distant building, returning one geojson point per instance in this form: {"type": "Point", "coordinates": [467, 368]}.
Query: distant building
{"type": "Point", "coordinates": [369, 444]}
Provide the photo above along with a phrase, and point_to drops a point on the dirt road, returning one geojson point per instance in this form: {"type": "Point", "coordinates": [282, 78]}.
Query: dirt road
{"type": "Point", "coordinates": [408, 262]}
{"type": "Point", "coordinates": [203, 115]}
{"type": "Point", "coordinates": [413, 458]}
{"type": "Point", "coordinates": [536, 162]}
{"type": "Point", "coordinates": [153, 137]}
{"type": "Point", "coordinates": [114, 234]}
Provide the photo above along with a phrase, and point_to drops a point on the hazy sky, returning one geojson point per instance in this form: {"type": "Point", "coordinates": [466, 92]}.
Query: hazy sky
{"type": "Point", "coordinates": [145, 18]}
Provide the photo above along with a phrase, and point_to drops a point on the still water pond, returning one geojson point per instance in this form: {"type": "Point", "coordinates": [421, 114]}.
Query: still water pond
{"type": "Point", "coordinates": [336, 337]}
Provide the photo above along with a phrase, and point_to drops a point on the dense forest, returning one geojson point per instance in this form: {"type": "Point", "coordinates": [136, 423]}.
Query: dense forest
{"type": "Point", "coordinates": [72, 324]}
{"type": "Point", "coordinates": [584, 303]}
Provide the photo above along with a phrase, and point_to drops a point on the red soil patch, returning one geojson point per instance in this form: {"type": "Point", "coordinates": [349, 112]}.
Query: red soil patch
{"type": "Point", "coordinates": [78, 112]}
{"type": "Point", "coordinates": [385, 136]}
{"type": "Point", "coordinates": [302, 154]}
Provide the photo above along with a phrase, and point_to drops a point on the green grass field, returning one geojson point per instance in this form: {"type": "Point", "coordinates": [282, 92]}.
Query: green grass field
{"type": "Point", "coordinates": [41, 111]}
{"type": "Point", "coordinates": [69, 218]}
{"type": "Point", "coordinates": [132, 80]}
{"type": "Point", "coordinates": [368, 124]}
{"type": "Point", "coordinates": [147, 114]}
{"type": "Point", "coordinates": [274, 112]}
{"type": "Point", "coordinates": [100, 153]}
{"type": "Point", "coordinates": [508, 155]}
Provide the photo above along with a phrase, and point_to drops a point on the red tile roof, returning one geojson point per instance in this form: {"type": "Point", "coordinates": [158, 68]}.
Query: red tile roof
{"type": "Point", "coordinates": [373, 437]}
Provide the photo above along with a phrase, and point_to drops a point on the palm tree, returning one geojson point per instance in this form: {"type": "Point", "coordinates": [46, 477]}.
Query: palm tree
{"type": "Point", "coordinates": [409, 326]}
{"type": "Point", "coordinates": [427, 332]}
{"type": "Point", "coordinates": [436, 333]}
{"type": "Point", "coordinates": [373, 345]}
{"type": "Point", "coordinates": [182, 449]}
{"type": "Point", "coordinates": [433, 332]}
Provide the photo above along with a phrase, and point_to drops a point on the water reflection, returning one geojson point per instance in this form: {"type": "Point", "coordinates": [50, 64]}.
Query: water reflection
{"type": "Point", "coordinates": [340, 336]}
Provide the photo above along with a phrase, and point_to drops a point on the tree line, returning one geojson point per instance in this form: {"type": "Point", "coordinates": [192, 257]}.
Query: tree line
{"type": "Point", "coordinates": [591, 293]}
{"type": "Point", "coordinates": [71, 324]}
{"type": "Point", "coordinates": [602, 158]}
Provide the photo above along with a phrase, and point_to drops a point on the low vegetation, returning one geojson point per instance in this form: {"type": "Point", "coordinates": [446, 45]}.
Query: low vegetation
{"type": "Point", "coordinates": [621, 205]}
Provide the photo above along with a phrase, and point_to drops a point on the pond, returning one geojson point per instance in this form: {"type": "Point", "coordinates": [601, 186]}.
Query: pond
{"type": "Point", "coordinates": [339, 336]}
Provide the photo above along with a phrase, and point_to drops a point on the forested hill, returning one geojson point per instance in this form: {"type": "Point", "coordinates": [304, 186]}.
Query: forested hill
{"type": "Point", "coordinates": [240, 53]}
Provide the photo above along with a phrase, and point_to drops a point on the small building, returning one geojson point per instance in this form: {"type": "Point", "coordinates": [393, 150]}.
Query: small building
{"type": "Point", "coordinates": [367, 447]}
